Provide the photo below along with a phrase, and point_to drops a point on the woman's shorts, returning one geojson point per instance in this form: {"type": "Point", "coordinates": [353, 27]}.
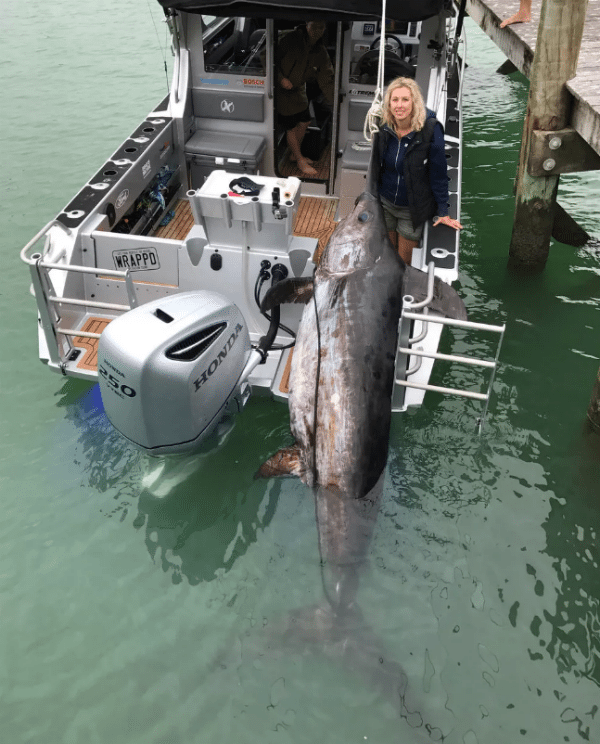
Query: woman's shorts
{"type": "Point", "coordinates": [289, 122]}
{"type": "Point", "coordinates": [398, 219]}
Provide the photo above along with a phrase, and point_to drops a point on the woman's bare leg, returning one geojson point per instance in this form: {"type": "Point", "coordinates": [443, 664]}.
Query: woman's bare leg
{"type": "Point", "coordinates": [405, 249]}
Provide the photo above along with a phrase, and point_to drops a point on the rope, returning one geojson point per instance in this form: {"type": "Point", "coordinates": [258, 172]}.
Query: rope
{"type": "Point", "coordinates": [375, 112]}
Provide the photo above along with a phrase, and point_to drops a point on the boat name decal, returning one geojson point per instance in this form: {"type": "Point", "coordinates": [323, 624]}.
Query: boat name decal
{"type": "Point", "coordinates": [253, 81]}
{"type": "Point", "coordinates": [136, 259]}
{"type": "Point", "coordinates": [216, 362]}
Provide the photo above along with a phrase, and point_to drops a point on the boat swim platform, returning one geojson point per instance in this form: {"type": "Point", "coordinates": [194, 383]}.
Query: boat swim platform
{"type": "Point", "coordinates": [89, 360]}
{"type": "Point", "coordinates": [518, 44]}
{"type": "Point", "coordinates": [314, 219]}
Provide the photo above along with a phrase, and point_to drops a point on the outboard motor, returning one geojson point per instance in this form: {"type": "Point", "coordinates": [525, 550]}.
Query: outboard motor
{"type": "Point", "coordinates": [171, 369]}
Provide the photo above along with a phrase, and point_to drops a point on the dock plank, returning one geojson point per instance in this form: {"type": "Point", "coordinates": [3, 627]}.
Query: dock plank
{"type": "Point", "coordinates": [518, 44]}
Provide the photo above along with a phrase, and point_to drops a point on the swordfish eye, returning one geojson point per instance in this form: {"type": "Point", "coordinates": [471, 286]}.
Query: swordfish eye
{"type": "Point", "coordinates": [365, 216]}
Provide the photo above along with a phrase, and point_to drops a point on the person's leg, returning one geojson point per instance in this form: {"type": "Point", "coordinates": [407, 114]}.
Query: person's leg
{"type": "Point", "coordinates": [405, 248]}
{"type": "Point", "coordinates": [294, 139]}
{"type": "Point", "coordinates": [523, 15]}
{"type": "Point", "coordinates": [397, 221]}
{"type": "Point", "coordinates": [408, 236]}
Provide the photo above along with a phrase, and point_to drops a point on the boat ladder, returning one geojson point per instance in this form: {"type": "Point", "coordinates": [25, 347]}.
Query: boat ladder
{"type": "Point", "coordinates": [418, 351]}
{"type": "Point", "coordinates": [49, 301]}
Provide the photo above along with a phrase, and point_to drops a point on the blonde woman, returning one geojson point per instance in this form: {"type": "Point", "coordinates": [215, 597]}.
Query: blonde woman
{"type": "Point", "coordinates": [413, 183]}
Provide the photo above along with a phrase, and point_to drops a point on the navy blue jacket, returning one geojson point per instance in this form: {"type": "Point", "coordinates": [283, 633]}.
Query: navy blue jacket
{"type": "Point", "coordinates": [414, 173]}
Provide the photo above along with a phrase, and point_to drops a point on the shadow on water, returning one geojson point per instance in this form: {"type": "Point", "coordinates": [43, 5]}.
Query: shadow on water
{"type": "Point", "coordinates": [198, 513]}
{"type": "Point", "coordinates": [196, 526]}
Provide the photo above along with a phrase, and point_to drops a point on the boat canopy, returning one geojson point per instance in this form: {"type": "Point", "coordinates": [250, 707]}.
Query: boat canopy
{"type": "Point", "coordinates": [338, 10]}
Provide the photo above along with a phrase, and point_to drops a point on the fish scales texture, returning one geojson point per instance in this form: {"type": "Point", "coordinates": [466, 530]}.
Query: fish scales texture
{"type": "Point", "coordinates": [358, 288]}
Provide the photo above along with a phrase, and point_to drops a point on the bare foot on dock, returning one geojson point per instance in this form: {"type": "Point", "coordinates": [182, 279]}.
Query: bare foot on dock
{"type": "Point", "coordinates": [516, 18]}
{"type": "Point", "coordinates": [305, 167]}
{"type": "Point", "coordinates": [523, 15]}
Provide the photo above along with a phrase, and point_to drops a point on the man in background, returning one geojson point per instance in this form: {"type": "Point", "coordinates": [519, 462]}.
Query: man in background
{"type": "Point", "coordinates": [301, 58]}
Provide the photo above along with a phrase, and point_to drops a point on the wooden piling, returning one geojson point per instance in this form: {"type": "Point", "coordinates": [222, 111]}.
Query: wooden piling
{"type": "Point", "coordinates": [548, 110]}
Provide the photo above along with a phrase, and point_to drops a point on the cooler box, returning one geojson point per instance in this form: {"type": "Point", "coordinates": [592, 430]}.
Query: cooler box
{"type": "Point", "coordinates": [235, 153]}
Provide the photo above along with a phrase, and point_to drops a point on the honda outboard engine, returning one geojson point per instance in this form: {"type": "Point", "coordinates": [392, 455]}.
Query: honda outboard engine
{"type": "Point", "coordinates": [171, 369]}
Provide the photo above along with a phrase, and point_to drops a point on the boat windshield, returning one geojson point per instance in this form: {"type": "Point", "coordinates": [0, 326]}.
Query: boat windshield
{"type": "Point", "coordinates": [234, 45]}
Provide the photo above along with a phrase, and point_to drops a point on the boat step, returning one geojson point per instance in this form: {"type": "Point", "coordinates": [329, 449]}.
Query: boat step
{"type": "Point", "coordinates": [89, 360]}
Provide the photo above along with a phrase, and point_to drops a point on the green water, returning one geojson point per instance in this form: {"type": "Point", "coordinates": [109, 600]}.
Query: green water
{"type": "Point", "coordinates": [144, 601]}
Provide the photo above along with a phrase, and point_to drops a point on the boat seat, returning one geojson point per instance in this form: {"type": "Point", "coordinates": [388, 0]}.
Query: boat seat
{"type": "Point", "coordinates": [237, 153]}
{"type": "Point", "coordinates": [226, 144]}
{"type": "Point", "coordinates": [356, 155]}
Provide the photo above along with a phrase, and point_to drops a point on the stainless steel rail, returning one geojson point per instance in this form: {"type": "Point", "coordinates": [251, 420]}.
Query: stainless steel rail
{"type": "Point", "coordinates": [131, 296]}
{"type": "Point", "coordinates": [48, 300]}
{"type": "Point", "coordinates": [407, 350]}
{"type": "Point", "coordinates": [37, 236]}
{"type": "Point", "coordinates": [457, 323]}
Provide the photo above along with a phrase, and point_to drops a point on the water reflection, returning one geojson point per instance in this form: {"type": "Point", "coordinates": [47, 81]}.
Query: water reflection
{"type": "Point", "coordinates": [196, 525]}
{"type": "Point", "coordinates": [107, 460]}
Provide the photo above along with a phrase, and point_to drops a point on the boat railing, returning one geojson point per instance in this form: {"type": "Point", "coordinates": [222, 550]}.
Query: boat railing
{"type": "Point", "coordinates": [48, 301]}
{"type": "Point", "coordinates": [32, 259]}
{"type": "Point", "coordinates": [407, 350]}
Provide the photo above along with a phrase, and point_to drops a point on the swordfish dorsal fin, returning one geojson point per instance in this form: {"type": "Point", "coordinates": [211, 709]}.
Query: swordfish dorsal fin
{"type": "Point", "coordinates": [288, 291]}
{"type": "Point", "coordinates": [445, 299]}
{"type": "Point", "coordinates": [287, 461]}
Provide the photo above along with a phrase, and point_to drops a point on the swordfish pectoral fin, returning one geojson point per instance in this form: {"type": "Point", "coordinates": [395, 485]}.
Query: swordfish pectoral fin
{"type": "Point", "coordinates": [445, 299]}
{"type": "Point", "coordinates": [296, 290]}
{"type": "Point", "coordinates": [287, 461]}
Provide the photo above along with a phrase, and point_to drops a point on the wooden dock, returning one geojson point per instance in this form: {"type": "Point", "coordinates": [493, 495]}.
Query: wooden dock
{"type": "Point", "coordinates": [518, 44]}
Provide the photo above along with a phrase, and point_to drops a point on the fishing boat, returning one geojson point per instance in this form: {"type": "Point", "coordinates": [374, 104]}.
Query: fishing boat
{"type": "Point", "coordinates": [150, 280]}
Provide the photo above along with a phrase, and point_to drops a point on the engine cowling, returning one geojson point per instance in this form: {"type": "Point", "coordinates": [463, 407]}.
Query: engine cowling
{"type": "Point", "coordinates": [170, 370]}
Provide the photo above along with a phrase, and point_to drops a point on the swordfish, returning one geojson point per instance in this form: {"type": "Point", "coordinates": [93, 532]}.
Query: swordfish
{"type": "Point", "coordinates": [342, 370]}
{"type": "Point", "coordinates": [341, 383]}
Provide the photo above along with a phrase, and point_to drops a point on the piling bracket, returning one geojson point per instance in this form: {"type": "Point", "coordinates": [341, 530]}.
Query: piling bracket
{"type": "Point", "coordinates": [560, 151]}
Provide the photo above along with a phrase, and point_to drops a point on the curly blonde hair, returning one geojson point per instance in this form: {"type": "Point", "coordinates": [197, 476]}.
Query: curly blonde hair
{"type": "Point", "coordinates": [419, 112]}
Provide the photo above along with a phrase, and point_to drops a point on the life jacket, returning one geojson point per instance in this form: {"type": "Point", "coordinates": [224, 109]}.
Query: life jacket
{"type": "Point", "coordinates": [421, 202]}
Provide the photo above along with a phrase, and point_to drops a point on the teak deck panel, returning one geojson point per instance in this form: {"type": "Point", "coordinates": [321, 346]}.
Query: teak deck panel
{"type": "Point", "coordinates": [518, 44]}
{"type": "Point", "coordinates": [314, 219]}
{"type": "Point", "coordinates": [89, 360]}
{"type": "Point", "coordinates": [180, 225]}
{"type": "Point", "coordinates": [284, 385]}
{"type": "Point", "coordinates": [289, 168]}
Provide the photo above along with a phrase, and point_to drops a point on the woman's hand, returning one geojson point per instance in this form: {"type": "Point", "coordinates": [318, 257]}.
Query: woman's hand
{"type": "Point", "coordinates": [285, 83]}
{"type": "Point", "coordinates": [447, 220]}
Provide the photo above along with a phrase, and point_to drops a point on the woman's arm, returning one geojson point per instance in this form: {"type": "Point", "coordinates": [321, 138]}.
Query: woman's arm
{"type": "Point", "coordinates": [438, 170]}
{"type": "Point", "coordinates": [438, 174]}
